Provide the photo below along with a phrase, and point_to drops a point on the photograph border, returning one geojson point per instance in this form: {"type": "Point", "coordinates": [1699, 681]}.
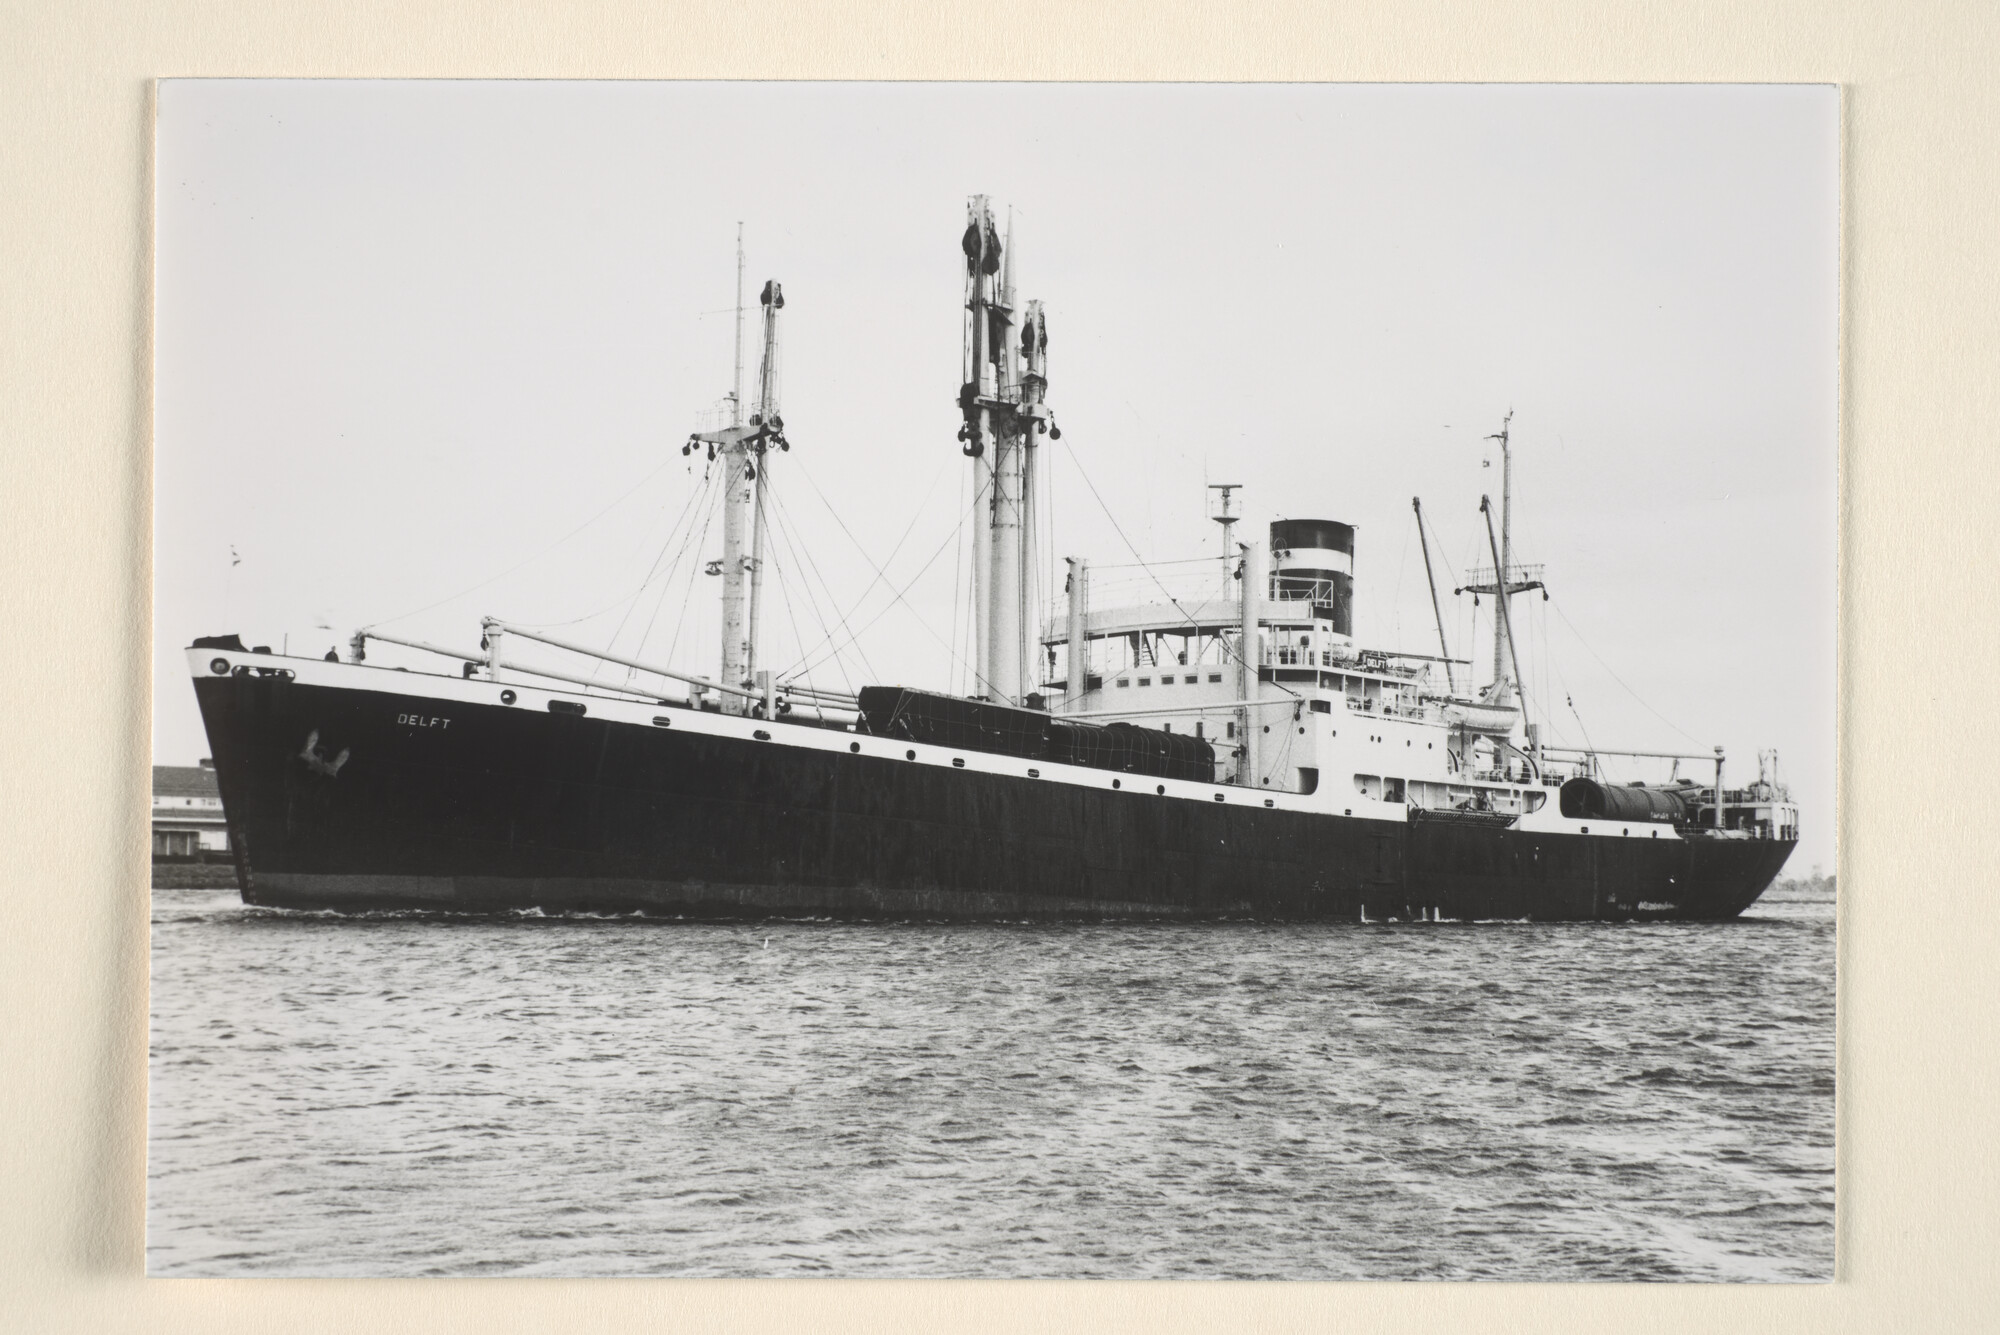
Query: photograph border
{"type": "Point", "coordinates": [1917, 1170]}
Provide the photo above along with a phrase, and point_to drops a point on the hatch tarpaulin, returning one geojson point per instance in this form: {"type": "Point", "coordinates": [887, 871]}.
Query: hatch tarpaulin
{"type": "Point", "coordinates": [977, 725]}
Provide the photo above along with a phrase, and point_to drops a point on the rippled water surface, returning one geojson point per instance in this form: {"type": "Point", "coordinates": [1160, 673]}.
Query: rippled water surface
{"type": "Point", "coordinates": [430, 1096]}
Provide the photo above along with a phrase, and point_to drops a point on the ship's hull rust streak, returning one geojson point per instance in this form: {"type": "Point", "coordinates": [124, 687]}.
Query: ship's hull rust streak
{"type": "Point", "coordinates": [513, 809]}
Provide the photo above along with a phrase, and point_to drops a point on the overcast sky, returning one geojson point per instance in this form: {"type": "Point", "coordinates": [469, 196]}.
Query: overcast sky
{"type": "Point", "coordinates": [428, 351]}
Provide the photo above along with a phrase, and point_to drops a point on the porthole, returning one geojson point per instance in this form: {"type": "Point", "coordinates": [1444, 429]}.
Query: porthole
{"type": "Point", "coordinates": [219, 666]}
{"type": "Point", "coordinates": [1269, 803]}
{"type": "Point", "coordinates": [507, 697]}
{"type": "Point", "coordinates": [1161, 790]}
{"type": "Point", "coordinates": [1218, 797]}
{"type": "Point", "coordinates": [761, 735]}
{"type": "Point", "coordinates": [1117, 783]}
{"type": "Point", "coordinates": [909, 755]}
{"type": "Point", "coordinates": [1034, 774]}
{"type": "Point", "coordinates": [662, 721]}
{"type": "Point", "coordinates": [958, 762]}
{"type": "Point", "coordinates": [854, 746]}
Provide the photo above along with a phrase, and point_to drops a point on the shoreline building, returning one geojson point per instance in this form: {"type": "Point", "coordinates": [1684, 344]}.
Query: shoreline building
{"type": "Point", "coordinates": [188, 824]}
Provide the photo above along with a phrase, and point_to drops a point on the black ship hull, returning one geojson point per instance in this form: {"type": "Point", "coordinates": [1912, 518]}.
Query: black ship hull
{"type": "Point", "coordinates": [345, 798]}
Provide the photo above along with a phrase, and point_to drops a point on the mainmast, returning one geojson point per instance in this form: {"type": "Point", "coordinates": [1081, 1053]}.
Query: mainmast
{"type": "Point", "coordinates": [982, 261]}
{"type": "Point", "coordinates": [1004, 412]}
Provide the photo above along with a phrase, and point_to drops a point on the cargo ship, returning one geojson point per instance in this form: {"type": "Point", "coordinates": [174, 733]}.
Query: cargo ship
{"type": "Point", "coordinates": [1207, 742]}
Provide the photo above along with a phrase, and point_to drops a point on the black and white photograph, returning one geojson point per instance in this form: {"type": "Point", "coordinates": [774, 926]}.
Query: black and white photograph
{"type": "Point", "coordinates": [1013, 680]}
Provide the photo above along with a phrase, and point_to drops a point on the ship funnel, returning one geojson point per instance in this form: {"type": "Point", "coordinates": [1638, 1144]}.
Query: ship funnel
{"type": "Point", "coordinates": [1313, 560]}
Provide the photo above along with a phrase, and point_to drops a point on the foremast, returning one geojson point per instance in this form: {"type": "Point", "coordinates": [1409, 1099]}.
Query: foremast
{"type": "Point", "coordinates": [743, 448]}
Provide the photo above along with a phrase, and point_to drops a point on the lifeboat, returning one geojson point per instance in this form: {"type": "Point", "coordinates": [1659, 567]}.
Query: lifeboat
{"type": "Point", "coordinates": [1475, 716]}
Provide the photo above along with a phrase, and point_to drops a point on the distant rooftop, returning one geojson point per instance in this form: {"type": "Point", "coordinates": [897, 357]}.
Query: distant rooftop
{"type": "Point", "coordinates": [184, 781]}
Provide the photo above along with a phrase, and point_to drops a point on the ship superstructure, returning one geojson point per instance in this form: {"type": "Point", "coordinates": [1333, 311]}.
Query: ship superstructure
{"type": "Point", "coordinates": [1198, 742]}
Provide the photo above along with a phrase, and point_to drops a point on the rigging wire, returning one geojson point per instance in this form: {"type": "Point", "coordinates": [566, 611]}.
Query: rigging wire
{"type": "Point", "coordinates": [950, 538]}
{"type": "Point", "coordinates": [899, 593]}
{"type": "Point", "coordinates": [691, 541]}
{"type": "Point", "coordinates": [704, 505]}
{"type": "Point", "coordinates": [527, 561]}
{"type": "Point", "coordinates": [1402, 569]}
{"type": "Point", "coordinates": [1544, 657]}
{"type": "Point", "coordinates": [687, 599]}
{"type": "Point", "coordinates": [697, 503]}
{"type": "Point", "coordinates": [1570, 700]}
{"type": "Point", "coordinates": [1620, 680]}
{"type": "Point", "coordinates": [1096, 566]}
{"type": "Point", "coordinates": [791, 608]}
{"type": "Point", "coordinates": [881, 571]}
{"type": "Point", "coordinates": [957, 569]}
{"type": "Point", "coordinates": [807, 570]}
{"type": "Point", "coordinates": [652, 571]}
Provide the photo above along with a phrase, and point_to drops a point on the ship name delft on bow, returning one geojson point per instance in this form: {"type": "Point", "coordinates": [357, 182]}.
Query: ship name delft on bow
{"type": "Point", "coordinates": [1205, 741]}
